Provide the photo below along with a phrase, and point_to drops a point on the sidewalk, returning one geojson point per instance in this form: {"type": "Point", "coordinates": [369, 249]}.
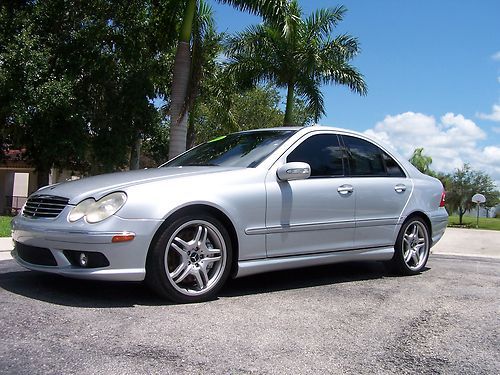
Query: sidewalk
{"type": "Point", "coordinates": [456, 241]}
{"type": "Point", "coordinates": [469, 242]}
{"type": "Point", "coordinates": [5, 248]}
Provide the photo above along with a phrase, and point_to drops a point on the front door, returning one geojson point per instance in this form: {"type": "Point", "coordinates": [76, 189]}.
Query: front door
{"type": "Point", "coordinates": [313, 215]}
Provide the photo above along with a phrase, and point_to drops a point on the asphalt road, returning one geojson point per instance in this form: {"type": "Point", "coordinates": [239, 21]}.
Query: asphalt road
{"type": "Point", "coordinates": [350, 318]}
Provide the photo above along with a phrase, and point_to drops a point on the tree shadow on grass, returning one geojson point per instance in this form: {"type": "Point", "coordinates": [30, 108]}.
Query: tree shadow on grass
{"type": "Point", "coordinates": [63, 291]}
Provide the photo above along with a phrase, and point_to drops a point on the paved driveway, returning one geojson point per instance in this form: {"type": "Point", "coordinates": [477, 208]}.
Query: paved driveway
{"type": "Point", "coordinates": [347, 318]}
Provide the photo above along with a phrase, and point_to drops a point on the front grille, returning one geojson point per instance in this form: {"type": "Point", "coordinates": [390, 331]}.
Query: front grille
{"type": "Point", "coordinates": [35, 255]}
{"type": "Point", "coordinates": [44, 206]}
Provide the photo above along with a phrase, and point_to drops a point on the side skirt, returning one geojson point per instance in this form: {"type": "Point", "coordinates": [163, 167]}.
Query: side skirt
{"type": "Point", "coordinates": [251, 267]}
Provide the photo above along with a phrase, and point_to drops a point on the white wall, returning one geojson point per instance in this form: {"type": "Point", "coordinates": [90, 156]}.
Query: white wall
{"type": "Point", "coordinates": [21, 181]}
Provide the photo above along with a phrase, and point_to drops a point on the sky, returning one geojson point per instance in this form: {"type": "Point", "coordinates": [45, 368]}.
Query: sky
{"type": "Point", "coordinates": [433, 75]}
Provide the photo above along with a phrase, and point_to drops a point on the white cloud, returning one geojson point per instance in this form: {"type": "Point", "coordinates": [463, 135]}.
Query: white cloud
{"type": "Point", "coordinates": [496, 129]}
{"type": "Point", "coordinates": [496, 56]}
{"type": "Point", "coordinates": [492, 154]}
{"type": "Point", "coordinates": [451, 141]}
{"type": "Point", "coordinates": [493, 116]}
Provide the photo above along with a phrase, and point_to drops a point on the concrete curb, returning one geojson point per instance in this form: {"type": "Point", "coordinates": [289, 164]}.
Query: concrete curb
{"type": "Point", "coordinates": [6, 247]}
{"type": "Point", "coordinates": [6, 244]}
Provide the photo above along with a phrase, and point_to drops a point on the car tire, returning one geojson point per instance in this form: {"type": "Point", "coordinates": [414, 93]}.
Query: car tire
{"type": "Point", "coordinates": [412, 247]}
{"type": "Point", "coordinates": [190, 260]}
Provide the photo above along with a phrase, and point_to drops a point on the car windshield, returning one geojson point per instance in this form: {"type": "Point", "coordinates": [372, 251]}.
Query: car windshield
{"type": "Point", "coordinates": [246, 149]}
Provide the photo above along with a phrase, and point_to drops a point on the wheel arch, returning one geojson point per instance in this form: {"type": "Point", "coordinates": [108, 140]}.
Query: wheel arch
{"type": "Point", "coordinates": [197, 208]}
{"type": "Point", "coordinates": [422, 216]}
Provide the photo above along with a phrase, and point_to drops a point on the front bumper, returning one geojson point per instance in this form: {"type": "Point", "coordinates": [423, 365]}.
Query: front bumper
{"type": "Point", "coordinates": [127, 260]}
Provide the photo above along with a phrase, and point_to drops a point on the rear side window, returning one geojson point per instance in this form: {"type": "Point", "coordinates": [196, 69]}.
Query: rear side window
{"type": "Point", "coordinates": [323, 153]}
{"type": "Point", "coordinates": [367, 159]}
{"type": "Point", "coordinates": [393, 168]}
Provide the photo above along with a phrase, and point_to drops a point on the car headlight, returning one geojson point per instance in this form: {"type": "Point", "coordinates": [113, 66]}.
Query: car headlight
{"type": "Point", "coordinates": [95, 212]}
{"type": "Point", "coordinates": [80, 209]}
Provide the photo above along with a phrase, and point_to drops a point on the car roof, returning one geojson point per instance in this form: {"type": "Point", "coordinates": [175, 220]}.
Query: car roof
{"type": "Point", "coordinates": [306, 129]}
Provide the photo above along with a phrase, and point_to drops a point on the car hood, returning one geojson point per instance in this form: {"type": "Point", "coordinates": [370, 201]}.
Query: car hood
{"type": "Point", "coordinates": [98, 186]}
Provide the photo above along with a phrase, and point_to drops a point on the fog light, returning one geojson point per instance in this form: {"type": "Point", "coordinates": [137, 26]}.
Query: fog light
{"type": "Point", "coordinates": [83, 260]}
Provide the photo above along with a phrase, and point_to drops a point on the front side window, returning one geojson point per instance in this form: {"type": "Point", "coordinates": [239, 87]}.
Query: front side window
{"type": "Point", "coordinates": [246, 149]}
{"type": "Point", "coordinates": [323, 153]}
{"type": "Point", "coordinates": [367, 159]}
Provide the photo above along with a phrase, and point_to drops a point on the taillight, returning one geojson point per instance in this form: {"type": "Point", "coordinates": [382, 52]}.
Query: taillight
{"type": "Point", "coordinates": [443, 199]}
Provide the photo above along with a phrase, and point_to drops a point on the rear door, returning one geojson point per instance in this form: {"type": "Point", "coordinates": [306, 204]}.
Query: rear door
{"type": "Point", "coordinates": [381, 189]}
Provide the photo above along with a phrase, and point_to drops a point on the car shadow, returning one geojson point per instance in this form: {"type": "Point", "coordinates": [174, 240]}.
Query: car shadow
{"type": "Point", "coordinates": [306, 278]}
{"type": "Point", "coordinates": [63, 291]}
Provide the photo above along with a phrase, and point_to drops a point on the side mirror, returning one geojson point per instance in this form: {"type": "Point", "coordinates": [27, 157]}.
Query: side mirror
{"type": "Point", "coordinates": [294, 171]}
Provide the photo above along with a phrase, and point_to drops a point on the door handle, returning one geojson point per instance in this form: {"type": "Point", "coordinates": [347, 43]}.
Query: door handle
{"type": "Point", "coordinates": [400, 188]}
{"type": "Point", "coordinates": [345, 189]}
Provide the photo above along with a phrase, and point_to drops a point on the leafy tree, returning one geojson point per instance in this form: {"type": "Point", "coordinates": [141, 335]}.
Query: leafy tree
{"type": "Point", "coordinates": [421, 161]}
{"type": "Point", "coordinates": [224, 107]}
{"type": "Point", "coordinates": [256, 108]}
{"type": "Point", "coordinates": [77, 79]}
{"type": "Point", "coordinates": [38, 99]}
{"type": "Point", "coordinates": [463, 184]}
{"type": "Point", "coordinates": [153, 152]}
{"type": "Point", "coordinates": [300, 58]}
{"type": "Point", "coordinates": [271, 9]}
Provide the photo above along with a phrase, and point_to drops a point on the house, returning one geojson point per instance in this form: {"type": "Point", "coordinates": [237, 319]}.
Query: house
{"type": "Point", "coordinates": [484, 212]}
{"type": "Point", "coordinates": [18, 179]}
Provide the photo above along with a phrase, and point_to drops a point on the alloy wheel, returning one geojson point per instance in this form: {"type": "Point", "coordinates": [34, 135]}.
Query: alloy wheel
{"type": "Point", "coordinates": [195, 257]}
{"type": "Point", "coordinates": [415, 245]}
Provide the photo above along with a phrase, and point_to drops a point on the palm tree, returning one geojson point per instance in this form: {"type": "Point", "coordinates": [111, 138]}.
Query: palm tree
{"type": "Point", "coordinates": [421, 161]}
{"type": "Point", "coordinates": [270, 9]}
{"type": "Point", "coordinates": [300, 60]}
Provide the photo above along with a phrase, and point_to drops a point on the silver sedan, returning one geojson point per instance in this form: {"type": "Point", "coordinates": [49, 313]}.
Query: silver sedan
{"type": "Point", "coordinates": [241, 204]}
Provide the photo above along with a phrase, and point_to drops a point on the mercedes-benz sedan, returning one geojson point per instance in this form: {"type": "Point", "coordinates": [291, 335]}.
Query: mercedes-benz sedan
{"type": "Point", "coordinates": [242, 204]}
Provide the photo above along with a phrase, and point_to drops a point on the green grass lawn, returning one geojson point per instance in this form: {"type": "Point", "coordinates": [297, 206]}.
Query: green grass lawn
{"type": "Point", "coordinates": [5, 226]}
{"type": "Point", "coordinates": [470, 222]}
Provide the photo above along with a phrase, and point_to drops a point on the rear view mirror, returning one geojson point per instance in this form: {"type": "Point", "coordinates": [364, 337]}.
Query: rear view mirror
{"type": "Point", "coordinates": [294, 171]}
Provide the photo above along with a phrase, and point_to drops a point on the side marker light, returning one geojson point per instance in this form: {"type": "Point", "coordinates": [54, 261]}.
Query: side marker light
{"type": "Point", "coordinates": [123, 237]}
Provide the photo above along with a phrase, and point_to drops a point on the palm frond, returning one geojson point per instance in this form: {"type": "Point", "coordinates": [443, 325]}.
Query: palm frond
{"type": "Point", "coordinates": [205, 18]}
{"type": "Point", "coordinates": [323, 21]}
{"type": "Point", "coordinates": [292, 22]}
{"type": "Point", "coordinates": [347, 75]}
{"type": "Point", "coordinates": [309, 90]}
{"type": "Point", "coordinates": [344, 47]}
{"type": "Point", "coordinates": [269, 9]}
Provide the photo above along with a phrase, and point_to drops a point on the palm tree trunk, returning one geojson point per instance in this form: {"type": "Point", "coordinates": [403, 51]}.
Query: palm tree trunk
{"type": "Point", "coordinates": [289, 104]}
{"type": "Point", "coordinates": [135, 152]}
{"type": "Point", "coordinates": [180, 83]}
{"type": "Point", "coordinates": [191, 133]}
